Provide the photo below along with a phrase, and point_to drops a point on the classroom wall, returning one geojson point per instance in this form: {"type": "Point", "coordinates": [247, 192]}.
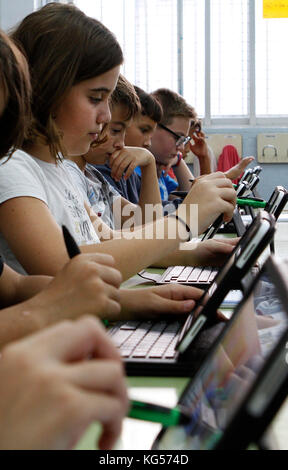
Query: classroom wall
{"type": "Point", "coordinates": [272, 174]}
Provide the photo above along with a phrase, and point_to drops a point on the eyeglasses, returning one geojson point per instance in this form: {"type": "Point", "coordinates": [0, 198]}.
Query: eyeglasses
{"type": "Point", "coordinates": [180, 139]}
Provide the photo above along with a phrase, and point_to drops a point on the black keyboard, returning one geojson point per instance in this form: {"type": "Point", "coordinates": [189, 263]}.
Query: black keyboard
{"type": "Point", "coordinates": [147, 339]}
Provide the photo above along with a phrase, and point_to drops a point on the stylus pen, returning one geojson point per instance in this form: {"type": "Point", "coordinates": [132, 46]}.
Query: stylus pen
{"type": "Point", "coordinates": [251, 203]}
{"type": "Point", "coordinates": [71, 246]}
{"type": "Point", "coordinates": [159, 414]}
{"type": "Point", "coordinates": [73, 250]}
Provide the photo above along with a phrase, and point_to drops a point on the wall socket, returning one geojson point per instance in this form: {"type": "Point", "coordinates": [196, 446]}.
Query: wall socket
{"type": "Point", "coordinates": [272, 148]}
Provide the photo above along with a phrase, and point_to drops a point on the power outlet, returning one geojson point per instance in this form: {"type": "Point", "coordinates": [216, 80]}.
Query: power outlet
{"type": "Point", "coordinates": [272, 148]}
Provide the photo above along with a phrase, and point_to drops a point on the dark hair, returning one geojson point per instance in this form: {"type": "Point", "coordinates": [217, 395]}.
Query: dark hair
{"type": "Point", "coordinates": [15, 80]}
{"type": "Point", "coordinates": [125, 95]}
{"type": "Point", "coordinates": [150, 105]}
{"type": "Point", "coordinates": [173, 105]}
{"type": "Point", "coordinates": [64, 47]}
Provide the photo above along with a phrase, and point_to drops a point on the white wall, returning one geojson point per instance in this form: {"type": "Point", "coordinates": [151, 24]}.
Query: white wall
{"type": "Point", "coordinates": [12, 11]}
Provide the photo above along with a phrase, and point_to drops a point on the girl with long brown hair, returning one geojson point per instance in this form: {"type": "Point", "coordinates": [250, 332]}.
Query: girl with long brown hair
{"type": "Point", "coordinates": [74, 63]}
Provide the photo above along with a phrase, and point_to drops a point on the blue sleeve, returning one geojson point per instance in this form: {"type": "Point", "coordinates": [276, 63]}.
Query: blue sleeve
{"type": "Point", "coordinates": [171, 184]}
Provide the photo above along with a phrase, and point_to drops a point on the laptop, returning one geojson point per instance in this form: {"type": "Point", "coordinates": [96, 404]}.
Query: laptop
{"type": "Point", "coordinates": [275, 204]}
{"type": "Point", "coordinates": [277, 201]}
{"type": "Point", "coordinates": [199, 276]}
{"type": "Point", "coordinates": [243, 381]}
{"type": "Point", "coordinates": [249, 173]}
{"type": "Point", "coordinates": [204, 275]}
{"type": "Point", "coordinates": [148, 347]}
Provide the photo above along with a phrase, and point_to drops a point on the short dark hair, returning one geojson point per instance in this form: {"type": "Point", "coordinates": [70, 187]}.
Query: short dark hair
{"type": "Point", "coordinates": [149, 104]}
{"type": "Point", "coordinates": [125, 95]}
{"type": "Point", "coordinates": [173, 105]}
{"type": "Point", "coordinates": [64, 47]}
{"type": "Point", "coordinates": [15, 80]}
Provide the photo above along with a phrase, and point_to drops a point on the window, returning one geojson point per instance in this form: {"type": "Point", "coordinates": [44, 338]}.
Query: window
{"type": "Point", "coordinates": [226, 60]}
{"type": "Point", "coordinates": [271, 64]}
{"type": "Point", "coordinates": [229, 58]}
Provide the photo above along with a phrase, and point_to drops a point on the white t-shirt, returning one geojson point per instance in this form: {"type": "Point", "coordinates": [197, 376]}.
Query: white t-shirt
{"type": "Point", "coordinates": [96, 190]}
{"type": "Point", "coordinates": [24, 175]}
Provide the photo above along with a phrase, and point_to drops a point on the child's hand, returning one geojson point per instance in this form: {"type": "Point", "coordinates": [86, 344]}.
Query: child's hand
{"type": "Point", "coordinates": [170, 299]}
{"type": "Point", "coordinates": [236, 171]}
{"type": "Point", "coordinates": [54, 384]}
{"type": "Point", "coordinates": [127, 159]}
{"type": "Point", "coordinates": [199, 146]}
{"type": "Point", "coordinates": [214, 195]}
{"type": "Point", "coordinates": [88, 284]}
{"type": "Point", "coordinates": [212, 252]}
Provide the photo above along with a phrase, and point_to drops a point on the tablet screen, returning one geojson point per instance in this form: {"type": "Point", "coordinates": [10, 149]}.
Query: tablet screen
{"type": "Point", "coordinates": [220, 386]}
{"type": "Point", "coordinates": [223, 279]}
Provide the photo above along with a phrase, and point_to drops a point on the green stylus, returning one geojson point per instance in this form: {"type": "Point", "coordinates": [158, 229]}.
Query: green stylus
{"type": "Point", "coordinates": [251, 203]}
{"type": "Point", "coordinates": [159, 414]}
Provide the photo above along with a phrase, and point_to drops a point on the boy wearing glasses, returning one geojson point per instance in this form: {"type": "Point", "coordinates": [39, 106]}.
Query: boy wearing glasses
{"type": "Point", "coordinates": [169, 140]}
{"type": "Point", "coordinates": [178, 130]}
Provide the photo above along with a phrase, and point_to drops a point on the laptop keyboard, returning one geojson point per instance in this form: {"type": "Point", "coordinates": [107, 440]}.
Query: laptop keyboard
{"type": "Point", "coordinates": [140, 340]}
{"type": "Point", "coordinates": [189, 275]}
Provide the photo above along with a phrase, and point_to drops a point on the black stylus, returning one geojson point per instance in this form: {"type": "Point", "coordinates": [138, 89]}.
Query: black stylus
{"type": "Point", "coordinates": [73, 250]}
{"type": "Point", "coordinates": [71, 246]}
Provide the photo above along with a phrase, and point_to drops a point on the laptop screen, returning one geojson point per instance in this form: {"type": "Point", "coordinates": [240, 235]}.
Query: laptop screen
{"type": "Point", "coordinates": [220, 386]}
{"type": "Point", "coordinates": [252, 241]}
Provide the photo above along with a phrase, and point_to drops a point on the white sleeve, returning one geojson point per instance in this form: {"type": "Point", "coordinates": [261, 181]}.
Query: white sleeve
{"type": "Point", "coordinates": [20, 176]}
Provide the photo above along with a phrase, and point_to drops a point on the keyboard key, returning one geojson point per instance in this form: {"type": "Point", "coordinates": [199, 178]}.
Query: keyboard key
{"type": "Point", "coordinates": [213, 274]}
{"type": "Point", "coordinates": [194, 275]}
{"type": "Point", "coordinates": [174, 273]}
{"type": "Point", "coordinates": [149, 340]}
{"type": "Point", "coordinates": [204, 276]}
{"type": "Point", "coordinates": [169, 334]}
{"type": "Point", "coordinates": [120, 336]}
{"type": "Point", "coordinates": [185, 274]}
{"type": "Point", "coordinates": [130, 325]}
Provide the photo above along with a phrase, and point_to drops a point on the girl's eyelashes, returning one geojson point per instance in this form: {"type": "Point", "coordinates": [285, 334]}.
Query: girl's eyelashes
{"type": "Point", "coordinates": [98, 98]}
{"type": "Point", "coordinates": [94, 100]}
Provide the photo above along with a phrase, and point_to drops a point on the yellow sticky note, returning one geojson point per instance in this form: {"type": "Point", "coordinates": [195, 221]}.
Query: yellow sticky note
{"type": "Point", "coordinates": [275, 8]}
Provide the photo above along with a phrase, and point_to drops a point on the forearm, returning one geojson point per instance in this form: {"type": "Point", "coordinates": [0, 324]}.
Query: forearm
{"type": "Point", "coordinates": [205, 165]}
{"type": "Point", "coordinates": [28, 286]}
{"type": "Point", "coordinates": [143, 247]}
{"type": "Point", "coordinates": [21, 320]}
{"type": "Point", "coordinates": [15, 288]}
{"type": "Point", "coordinates": [180, 257]}
{"type": "Point", "coordinates": [149, 193]}
{"type": "Point", "coordinates": [183, 175]}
